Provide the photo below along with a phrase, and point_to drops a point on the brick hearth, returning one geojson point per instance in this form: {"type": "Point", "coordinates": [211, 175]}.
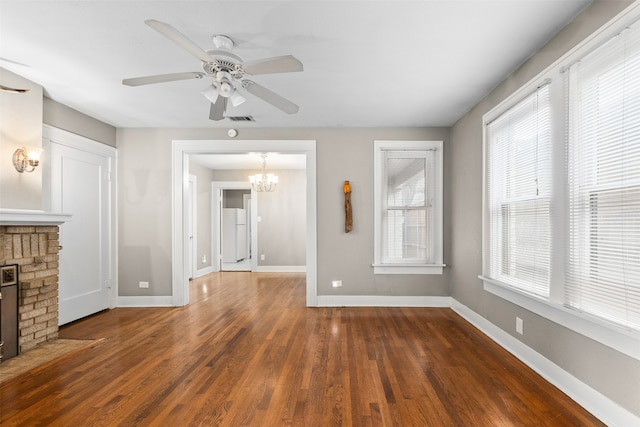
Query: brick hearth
{"type": "Point", "coordinates": [35, 250]}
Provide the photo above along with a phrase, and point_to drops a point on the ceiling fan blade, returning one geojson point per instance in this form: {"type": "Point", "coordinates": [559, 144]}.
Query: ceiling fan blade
{"type": "Point", "coordinates": [278, 64]}
{"type": "Point", "coordinates": [270, 97]}
{"type": "Point", "coordinates": [13, 89]}
{"type": "Point", "coordinates": [162, 78]}
{"type": "Point", "coordinates": [178, 38]}
{"type": "Point", "coordinates": [217, 110]}
{"type": "Point", "coordinates": [13, 62]}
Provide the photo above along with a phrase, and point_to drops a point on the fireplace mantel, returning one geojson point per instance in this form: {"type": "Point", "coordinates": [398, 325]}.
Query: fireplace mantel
{"type": "Point", "coordinates": [31, 217]}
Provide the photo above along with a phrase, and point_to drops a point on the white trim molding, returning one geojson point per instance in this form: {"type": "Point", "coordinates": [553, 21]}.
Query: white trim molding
{"type": "Point", "coordinates": [181, 149]}
{"type": "Point", "coordinates": [145, 301]}
{"type": "Point", "coordinates": [618, 338]}
{"type": "Point", "coordinates": [434, 230]}
{"type": "Point", "coordinates": [203, 271]}
{"type": "Point", "coordinates": [32, 217]}
{"type": "Point", "coordinates": [282, 268]}
{"type": "Point", "coordinates": [408, 268]}
{"type": "Point", "coordinates": [383, 301]}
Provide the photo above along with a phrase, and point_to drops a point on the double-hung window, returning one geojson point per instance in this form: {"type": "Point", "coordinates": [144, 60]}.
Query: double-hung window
{"type": "Point", "coordinates": [562, 190]}
{"type": "Point", "coordinates": [519, 194]}
{"type": "Point", "coordinates": [603, 146]}
{"type": "Point", "coordinates": [408, 212]}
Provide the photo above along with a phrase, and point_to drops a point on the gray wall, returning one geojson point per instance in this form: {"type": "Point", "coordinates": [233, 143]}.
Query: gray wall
{"type": "Point", "coordinates": [20, 125]}
{"type": "Point", "coordinates": [63, 117]}
{"type": "Point", "coordinates": [347, 154]}
{"type": "Point", "coordinates": [21, 119]}
{"type": "Point", "coordinates": [613, 374]}
{"type": "Point", "coordinates": [145, 207]}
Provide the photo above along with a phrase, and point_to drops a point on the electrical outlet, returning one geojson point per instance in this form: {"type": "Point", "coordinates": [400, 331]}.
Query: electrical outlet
{"type": "Point", "coordinates": [519, 325]}
{"type": "Point", "coordinates": [262, 257]}
{"type": "Point", "coordinates": [144, 284]}
{"type": "Point", "coordinates": [336, 283]}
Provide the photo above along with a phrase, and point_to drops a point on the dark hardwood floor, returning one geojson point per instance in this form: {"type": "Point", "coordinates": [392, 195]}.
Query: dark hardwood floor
{"type": "Point", "coordinates": [246, 351]}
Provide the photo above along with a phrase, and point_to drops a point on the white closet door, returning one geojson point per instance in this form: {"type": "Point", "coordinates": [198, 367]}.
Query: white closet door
{"type": "Point", "coordinates": [80, 186]}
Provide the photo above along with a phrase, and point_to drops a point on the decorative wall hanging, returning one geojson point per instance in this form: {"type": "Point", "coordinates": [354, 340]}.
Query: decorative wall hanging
{"type": "Point", "coordinates": [348, 223]}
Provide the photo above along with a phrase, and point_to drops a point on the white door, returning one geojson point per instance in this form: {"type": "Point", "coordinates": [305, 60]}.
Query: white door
{"type": "Point", "coordinates": [80, 186]}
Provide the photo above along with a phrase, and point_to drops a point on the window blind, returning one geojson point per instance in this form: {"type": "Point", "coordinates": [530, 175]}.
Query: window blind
{"type": "Point", "coordinates": [603, 163]}
{"type": "Point", "coordinates": [518, 194]}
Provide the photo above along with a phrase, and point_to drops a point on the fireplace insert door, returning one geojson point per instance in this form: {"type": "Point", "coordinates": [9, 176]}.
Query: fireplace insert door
{"type": "Point", "coordinates": [9, 311]}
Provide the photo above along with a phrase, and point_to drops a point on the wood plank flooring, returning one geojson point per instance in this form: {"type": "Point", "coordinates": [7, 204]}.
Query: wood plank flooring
{"type": "Point", "coordinates": [247, 352]}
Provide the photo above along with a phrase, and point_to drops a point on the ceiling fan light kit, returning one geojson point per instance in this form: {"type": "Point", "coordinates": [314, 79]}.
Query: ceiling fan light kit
{"type": "Point", "coordinates": [220, 41]}
{"type": "Point", "coordinates": [228, 72]}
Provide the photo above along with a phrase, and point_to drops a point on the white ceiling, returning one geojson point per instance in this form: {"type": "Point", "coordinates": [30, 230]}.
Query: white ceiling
{"type": "Point", "coordinates": [366, 63]}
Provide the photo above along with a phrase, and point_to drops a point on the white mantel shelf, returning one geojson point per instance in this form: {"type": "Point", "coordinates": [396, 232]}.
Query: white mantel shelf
{"type": "Point", "coordinates": [31, 217]}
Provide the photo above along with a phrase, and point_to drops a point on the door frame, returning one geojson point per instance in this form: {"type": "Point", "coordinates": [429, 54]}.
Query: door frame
{"type": "Point", "coordinates": [181, 149]}
{"type": "Point", "coordinates": [62, 137]}
{"type": "Point", "coordinates": [192, 226]}
{"type": "Point", "coordinates": [216, 221]}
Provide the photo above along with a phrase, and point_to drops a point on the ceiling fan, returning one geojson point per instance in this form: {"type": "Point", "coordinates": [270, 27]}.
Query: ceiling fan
{"type": "Point", "coordinates": [228, 72]}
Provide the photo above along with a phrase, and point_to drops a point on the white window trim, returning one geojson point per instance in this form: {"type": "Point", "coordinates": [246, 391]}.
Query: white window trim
{"type": "Point", "coordinates": [407, 268]}
{"type": "Point", "coordinates": [612, 335]}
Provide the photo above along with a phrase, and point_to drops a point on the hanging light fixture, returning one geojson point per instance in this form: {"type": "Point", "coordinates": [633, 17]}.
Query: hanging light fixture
{"type": "Point", "coordinates": [264, 181]}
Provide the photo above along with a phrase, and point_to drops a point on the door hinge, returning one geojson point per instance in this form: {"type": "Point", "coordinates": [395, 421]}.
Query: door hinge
{"type": "Point", "coordinates": [107, 176]}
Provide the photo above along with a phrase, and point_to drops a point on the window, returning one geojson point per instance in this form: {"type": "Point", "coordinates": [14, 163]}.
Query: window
{"type": "Point", "coordinates": [519, 191]}
{"type": "Point", "coordinates": [603, 269]}
{"type": "Point", "coordinates": [408, 211]}
{"type": "Point", "coordinates": [562, 191]}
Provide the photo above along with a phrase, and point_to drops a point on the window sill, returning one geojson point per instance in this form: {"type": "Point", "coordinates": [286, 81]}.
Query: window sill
{"type": "Point", "coordinates": [408, 268]}
{"type": "Point", "coordinates": [621, 339]}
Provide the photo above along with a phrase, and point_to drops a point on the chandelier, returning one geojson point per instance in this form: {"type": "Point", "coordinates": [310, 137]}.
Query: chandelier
{"type": "Point", "coordinates": [263, 181]}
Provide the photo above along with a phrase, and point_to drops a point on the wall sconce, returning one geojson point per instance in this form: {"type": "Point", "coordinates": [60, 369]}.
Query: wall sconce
{"type": "Point", "coordinates": [26, 159]}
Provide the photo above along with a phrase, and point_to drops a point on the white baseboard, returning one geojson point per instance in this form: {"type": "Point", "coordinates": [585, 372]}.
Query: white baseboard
{"type": "Point", "coordinates": [145, 301]}
{"type": "Point", "coordinates": [381, 301]}
{"type": "Point", "coordinates": [203, 271]}
{"type": "Point", "coordinates": [281, 269]}
{"type": "Point", "coordinates": [593, 401]}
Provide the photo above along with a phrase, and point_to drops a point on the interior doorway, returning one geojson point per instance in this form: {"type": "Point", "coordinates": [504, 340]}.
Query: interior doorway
{"type": "Point", "coordinates": [218, 238]}
{"type": "Point", "coordinates": [182, 149]}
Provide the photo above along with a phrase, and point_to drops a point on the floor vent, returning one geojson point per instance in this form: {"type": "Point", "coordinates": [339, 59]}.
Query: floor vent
{"type": "Point", "coordinates": [241, 118]}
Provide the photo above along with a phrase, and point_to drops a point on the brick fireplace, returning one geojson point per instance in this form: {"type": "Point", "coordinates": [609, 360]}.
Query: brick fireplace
{"type": "Point", "coordinates": [30, 240]}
